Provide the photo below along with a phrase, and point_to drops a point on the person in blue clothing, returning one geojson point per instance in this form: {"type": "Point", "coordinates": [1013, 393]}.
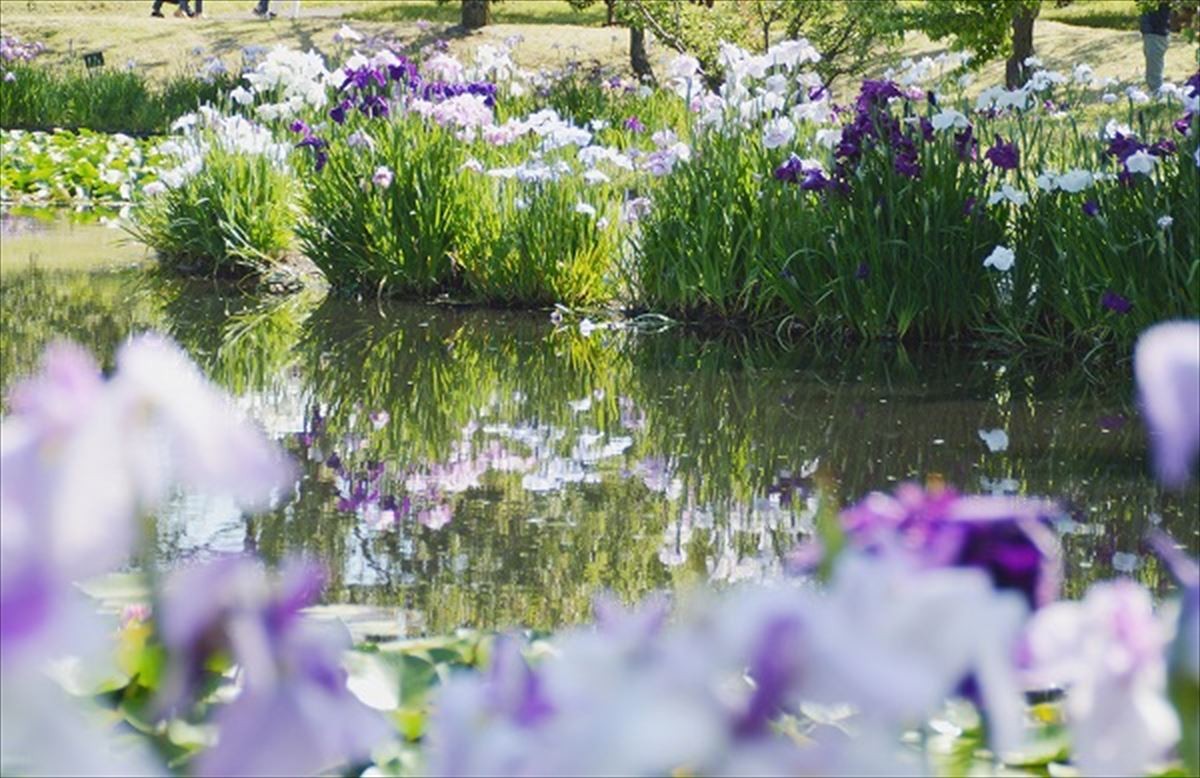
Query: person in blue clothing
{"type": "Point", "coordinates": [1155, 29]}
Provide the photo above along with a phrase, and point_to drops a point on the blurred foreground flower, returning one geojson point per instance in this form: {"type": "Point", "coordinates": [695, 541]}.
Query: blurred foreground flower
{"type": "Point", "coordinates": [634, 696]}
{"type": "Point", "coordinates": [81, 458]}
{"type": "Point", "coordinates": [1108, 650]}
{"type": "Point", "coordinates": [1006, 537]}
{"type": "Point", "coordinates": [293, 714]}
{"type": "Point", "coordinates": [1167, 366]}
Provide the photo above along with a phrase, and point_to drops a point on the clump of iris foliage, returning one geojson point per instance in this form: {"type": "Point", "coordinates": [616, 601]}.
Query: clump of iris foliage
{"type": "Point", "coordinates": [39, 97]}
{"type": "Point", "coordinates": [387, 219]}
{"type": "Point", "coordinates": [227, 206]}
{"type": "Point", "coordinates": [1062, 212]}
{"type": "Point", "coordinates": [922, 631]}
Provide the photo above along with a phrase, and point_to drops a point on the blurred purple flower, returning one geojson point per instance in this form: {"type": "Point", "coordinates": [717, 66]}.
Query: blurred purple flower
{"type": "Point", "coordinates": [907, 165]}
{"type": "Point", "coordinates": [1164, 147]}
{"type": "Point", "coordinates": [634, 124]}
{"type": "Point", "coordinates": [966, 145]}
{"type": "Point", "coordinates": [1004, 155]}
{"type": "Point", "coordinates": [294, 714]}
{"type": "Point", "coordinates": [338, 114]}
{"type": "Point", "coordinates": [1124, 146]}
{"type": "Point", "coordinates": [863, 272]}
{"type": "Point", "coordinates": [1091, 208]}
{"type": "Point", "coordinates": [1167, 367]}
{"type": "Point", "coordinates": [790, 170]}
{"type": "Point", "coordinates": [1183, 126]}
{"type": "Point", "coordinates": [1008, 538]}
{"type": "Point", "coordinates": [873, 94]}
{"type": "Point", "coordinates": [374, 106]}
{"type": "Point", "coordinates": [815, 180]}
{"type": "Point", "coordinates": [1115, 302]}
{"type": "Point", "coordinates": [926, 128]}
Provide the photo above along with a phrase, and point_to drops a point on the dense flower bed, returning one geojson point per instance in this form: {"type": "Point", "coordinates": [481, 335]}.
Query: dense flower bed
{"type": "Point", "coordinates": [1065, 211]}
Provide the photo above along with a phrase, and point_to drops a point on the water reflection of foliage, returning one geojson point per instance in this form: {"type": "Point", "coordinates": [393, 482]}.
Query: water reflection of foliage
{"type": "Point", "coordinates": [728, 441]}
{"type": "Point", "coordinates": [432, 370]}
{"type": "Point", "coordinates": [97, 310]}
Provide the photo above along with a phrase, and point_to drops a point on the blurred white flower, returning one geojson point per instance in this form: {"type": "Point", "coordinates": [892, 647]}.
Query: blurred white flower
{"type": "Point", "coordinates": [1002, 258]}
{"type": "Point", "coordinates": [1141, 162]}
{"type": "Point", "coordinates": [778, 132]}
{"type": "Point", "coordinates": [996, 440]}
{"type": "Point", "coordinates": [1109, 649]}
{"type": "Point", "coordinates": [1009, 193]}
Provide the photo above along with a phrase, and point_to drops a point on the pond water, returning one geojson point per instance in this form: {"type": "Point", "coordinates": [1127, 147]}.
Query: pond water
{"type": "Point", "coordinates": [469, 467]}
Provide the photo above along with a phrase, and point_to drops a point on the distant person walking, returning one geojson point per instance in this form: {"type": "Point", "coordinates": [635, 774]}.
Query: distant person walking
{"type": "Point", "coordinates": [1155, 28]}
{"type": "Point", "coordinates": [263, 9]}
{"type": "Point", "coordinates": [182, 10]}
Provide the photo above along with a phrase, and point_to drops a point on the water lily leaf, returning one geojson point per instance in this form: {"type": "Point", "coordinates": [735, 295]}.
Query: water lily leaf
{"type": "Point", "coordinates": [373, 680]}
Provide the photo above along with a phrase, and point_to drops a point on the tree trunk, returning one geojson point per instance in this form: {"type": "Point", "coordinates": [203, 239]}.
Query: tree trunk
{"type": "Point", "coordinates": [476, 14]}
{"type": "Point", "coordinates": [610, 12]}
{"type": "Point", "coordinates": [638, 60]}
{"type": "Point", "coordinates": [1015, 72]}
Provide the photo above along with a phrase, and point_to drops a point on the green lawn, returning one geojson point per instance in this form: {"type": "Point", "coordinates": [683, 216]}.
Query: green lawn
{"type": "Point", "coordinates": [1103, 14]}
{"type": "Point", "coordinates": [506, 12]}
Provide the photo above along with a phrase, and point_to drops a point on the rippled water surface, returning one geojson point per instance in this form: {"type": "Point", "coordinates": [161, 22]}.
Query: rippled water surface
{"type": "Point", "coordinates": [483, 468]}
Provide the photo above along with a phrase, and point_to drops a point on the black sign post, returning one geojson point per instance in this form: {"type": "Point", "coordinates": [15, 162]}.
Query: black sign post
{"type": "Point", "coordinates": [94, 59]}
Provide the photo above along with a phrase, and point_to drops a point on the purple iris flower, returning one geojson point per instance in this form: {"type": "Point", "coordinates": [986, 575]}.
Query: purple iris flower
{"type": "Point", "coordinates": [403, 72]}
{"type": "Point", "coordinates": [969, 205]}
{"type": "Point", "coordinates": [634, 124]}
{"type": "Point", "coordinates": [1091, 208]}
{"type": "Point", "coordinates": [814, 181]}
{"type": "Point", "coordinates": [863, 272]}
{"type": "Point", "coordinates": [1003, 155]}
{"type": "Point", "coordinates": [1124, 146]}
{"type": "Point", "coordinates": [374, 106]}
{"type": "Point", "coordinates": [1115, 302]}
{"type": "Point", "coordinates": [299, 126]}
{"type": "Point", "coordinates": [1008, 538]}
{"type": "Point", "coordinates": [1165, 147]}
{"type": "Point", "coordinates": [311, 141]}
{"type": "Point", "coordinates": [790, 171]}
{"type": "Point", "coordinates": [926, 128]}
{"type": "Point", "coordinates": [876, 93]}
{"type": "Point", "coordinates": [965, 144]}
{"type": "Point", "coordinates": [363, 77]}
{"type": "Point", "coordinates": [338, 114]}
{"type": "Point", "coordinates": [1184, 125]}
{"type": "Point", "coordinates": [907, 165]}
{"type": "Point", "coordinates": [318, 146]}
